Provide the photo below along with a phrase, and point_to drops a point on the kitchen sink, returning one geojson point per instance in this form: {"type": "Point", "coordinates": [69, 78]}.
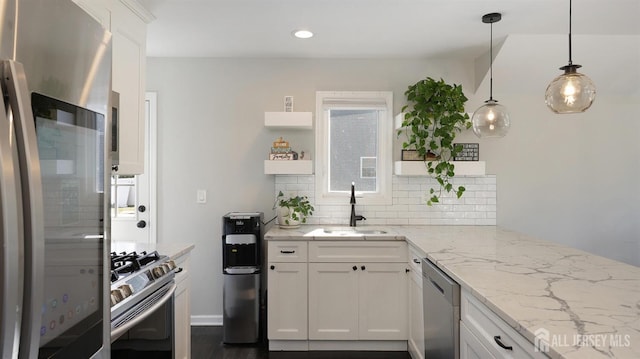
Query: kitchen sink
{"type": "Point", "coordinates": [351, 231]}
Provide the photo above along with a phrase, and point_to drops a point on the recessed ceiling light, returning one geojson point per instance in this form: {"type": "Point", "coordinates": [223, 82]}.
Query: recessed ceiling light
{"type": "Point", "coordinates": [303, 34]}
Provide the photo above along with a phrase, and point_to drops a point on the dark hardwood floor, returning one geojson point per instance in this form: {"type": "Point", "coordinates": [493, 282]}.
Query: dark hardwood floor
{"type": "Point", "coordinates": [206, 343]}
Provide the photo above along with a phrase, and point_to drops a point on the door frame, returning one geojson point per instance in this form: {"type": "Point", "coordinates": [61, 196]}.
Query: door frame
{"type": "Point", "coordinates": [151, 161]}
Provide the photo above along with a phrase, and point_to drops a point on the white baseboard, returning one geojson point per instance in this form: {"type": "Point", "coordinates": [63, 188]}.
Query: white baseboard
{"type": "Point", "coordinates": [206, 320]}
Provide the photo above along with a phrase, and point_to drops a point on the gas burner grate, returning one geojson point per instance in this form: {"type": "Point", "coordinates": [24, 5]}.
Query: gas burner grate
{"type": "Point", "coordinates": [124, 263]}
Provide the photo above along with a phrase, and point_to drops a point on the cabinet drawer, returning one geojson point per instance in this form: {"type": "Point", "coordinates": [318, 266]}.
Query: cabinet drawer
{"type": "Point", "coordinates": [487, 327]}
{"type": "Point", "coordinates": [287, 251]}
{"type": "Point", "coordinates": [358, 251]}
{"type": "Point", "coordinates": [415, 257]}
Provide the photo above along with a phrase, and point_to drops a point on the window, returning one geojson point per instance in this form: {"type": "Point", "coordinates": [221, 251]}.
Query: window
{"type": "Point", "coordinates": [123, 196]}
{"type": "Point", "coordinates": [353, 144]}
{"type": "Point", "coordinates": [368, 167]}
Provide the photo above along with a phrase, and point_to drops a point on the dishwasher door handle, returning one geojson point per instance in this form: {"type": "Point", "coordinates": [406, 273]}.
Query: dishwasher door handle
{"type": "Point", "coordinates": [437, 286]}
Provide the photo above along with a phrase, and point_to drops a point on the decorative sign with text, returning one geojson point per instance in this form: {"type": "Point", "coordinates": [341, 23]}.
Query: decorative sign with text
{"type": "Point", "coordinates": [470, 152]}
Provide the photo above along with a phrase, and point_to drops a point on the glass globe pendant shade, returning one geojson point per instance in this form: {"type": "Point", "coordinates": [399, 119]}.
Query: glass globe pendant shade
{"type": "Point", "coordinates": [571, 92]}
{"type": "Point", "coordinates": [491, 120]}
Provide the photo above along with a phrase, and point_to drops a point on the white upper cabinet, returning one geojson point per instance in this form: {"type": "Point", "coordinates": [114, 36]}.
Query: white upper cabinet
{"type": "Point", "coordinates": [127, 20]}
{"type": "Point", "coordinates": [98, 9]}
{"type": "Point", "coordinates": [129, 28]}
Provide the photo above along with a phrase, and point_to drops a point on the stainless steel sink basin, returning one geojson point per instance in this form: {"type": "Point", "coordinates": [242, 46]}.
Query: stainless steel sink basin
{"type": "Point", "coordinates": [351, 231]}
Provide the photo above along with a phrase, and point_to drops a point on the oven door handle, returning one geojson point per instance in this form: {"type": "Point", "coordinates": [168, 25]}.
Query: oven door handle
{"type": "Point", "coordinates": [117, 332]}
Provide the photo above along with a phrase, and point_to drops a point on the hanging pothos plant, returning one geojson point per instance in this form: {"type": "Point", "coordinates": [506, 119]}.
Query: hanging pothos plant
{"type": "Point", "coordinates": [433, 116]}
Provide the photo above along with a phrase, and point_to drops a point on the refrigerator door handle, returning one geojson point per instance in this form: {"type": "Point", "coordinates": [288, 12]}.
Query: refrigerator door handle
{"type": "Point", "coordinates": [11, 241]}
{"type": "Point", "coordinates": [15, 82]}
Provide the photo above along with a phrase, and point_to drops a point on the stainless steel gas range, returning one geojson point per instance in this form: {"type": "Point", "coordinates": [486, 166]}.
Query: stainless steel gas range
{"type": "Point", "coordinates": [142, 308]}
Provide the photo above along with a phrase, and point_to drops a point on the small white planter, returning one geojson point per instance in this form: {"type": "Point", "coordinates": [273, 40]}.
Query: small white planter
{"type": "Point", "coordinates": [285, 220]}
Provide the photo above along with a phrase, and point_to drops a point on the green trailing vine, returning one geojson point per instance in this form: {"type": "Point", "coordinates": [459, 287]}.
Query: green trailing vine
{"type": "Point", "coordinates": [433, 117]}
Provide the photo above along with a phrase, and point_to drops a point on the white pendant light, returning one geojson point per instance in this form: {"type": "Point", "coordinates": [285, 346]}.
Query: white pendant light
{"type": "Point", "coordinates": [491, 119]}
{"type": "Point", "coordinates": [570, 92]}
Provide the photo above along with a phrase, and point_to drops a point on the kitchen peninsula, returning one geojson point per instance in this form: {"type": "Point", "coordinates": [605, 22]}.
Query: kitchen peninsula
{"type": "Point", "coordinates": [570, 303]}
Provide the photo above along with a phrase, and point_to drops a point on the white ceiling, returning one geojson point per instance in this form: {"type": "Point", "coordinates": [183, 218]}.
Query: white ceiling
{"type": "Point", "coordinates": [368, 28]}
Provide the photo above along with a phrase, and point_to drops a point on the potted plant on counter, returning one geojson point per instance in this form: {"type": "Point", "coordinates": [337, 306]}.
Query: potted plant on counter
{"type": "Point", "coordinates": [433, 117]}
{"type": "Point", "coordinates": [293, 211]}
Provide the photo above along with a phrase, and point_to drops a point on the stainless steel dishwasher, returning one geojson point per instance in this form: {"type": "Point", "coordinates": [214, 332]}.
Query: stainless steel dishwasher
{"type": "Point", "coordinates": [441, 300]}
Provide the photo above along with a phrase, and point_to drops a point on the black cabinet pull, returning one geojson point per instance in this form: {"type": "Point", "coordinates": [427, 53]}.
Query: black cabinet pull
{"type": "Point", "coordinates": [501, 344]}
{"type": "Point", "coordinates": [178, 270]}
{"type": "Point", "coordinates": [355, 268]}
{"type": "Point", "coordinates": [407, 270]}
{"type": "Point", "coordinates": [363, 267]}
{"type": "Point", "coordinates": [416, 261]}
{"type": "Point", "coordinates": [287, 252]}
{"type": "Point", "coordinates": [272, 267]}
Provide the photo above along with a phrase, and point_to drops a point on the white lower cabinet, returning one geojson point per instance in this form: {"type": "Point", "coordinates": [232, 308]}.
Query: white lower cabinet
{"type": "Point", "coordinates": [488, 336]}
{"type": "Point", "coordinates": [416, 309]}
{"type": "Point", "coordinates": [382, 301]}
{"type": "Point", "coordinates": [351, 304]}
{"type": "Point", "coordinates": [470, 346]}
{"type": "Point", "coordinates": [357, 301]}
{"type": "Point", "coordinates": [333, 301]}
{"type": "Point", "coordinates": [287, 290]}
{"type": "Point", "coordinates": [287, 301]}
{"type": "Point", "coordinates": [182, 308]}
{"type": "Point", "coordinates": [354, 300]}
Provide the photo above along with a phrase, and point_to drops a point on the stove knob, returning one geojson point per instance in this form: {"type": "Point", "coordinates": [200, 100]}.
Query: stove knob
{"type": "Point", "coordinates": [126, 290]}
{"type": "Point", "coordinates": [116, 296]}
{"type": "Point", "coordinates": [172, 264]}
{"type": "Point", "coordinates": [158, 272]}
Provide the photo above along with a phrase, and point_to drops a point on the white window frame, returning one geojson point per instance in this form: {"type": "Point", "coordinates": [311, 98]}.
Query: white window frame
{"type": "Point", "coordinates": [326, 100]}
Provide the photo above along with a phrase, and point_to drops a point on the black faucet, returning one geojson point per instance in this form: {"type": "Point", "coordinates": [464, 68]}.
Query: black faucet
{"type": "Point", "coordinates": [354, 217]}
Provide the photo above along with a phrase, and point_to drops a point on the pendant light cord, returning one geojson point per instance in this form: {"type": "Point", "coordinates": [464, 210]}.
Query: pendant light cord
{"type": "Point", "coordinates": [570, 62]}
{"type": "Point", "coordinates": [491, 64]}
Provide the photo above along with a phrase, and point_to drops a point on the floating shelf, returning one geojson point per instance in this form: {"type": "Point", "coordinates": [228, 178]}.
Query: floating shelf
{"type": "Point", "coordinates": [295, 167]}
{"type": "Point", "coordinates": [292, 120]}
{"type": "Point", "coordinates": [397, 121]}
{"type": "Point", "coordinates": [418, 168]}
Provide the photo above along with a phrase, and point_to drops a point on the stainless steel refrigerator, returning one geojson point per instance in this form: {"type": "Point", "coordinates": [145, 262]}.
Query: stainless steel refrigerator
{"type": "Point", "coordinates": [54, 223]}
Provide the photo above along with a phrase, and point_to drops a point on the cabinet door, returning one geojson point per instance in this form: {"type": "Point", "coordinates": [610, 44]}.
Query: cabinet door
{"type": "Point", "coordinates": [470, 346]}
{"type": "Point", "coordinates": [416, 316]}
{"type": "Point", "coordinates": [128, 79]}
{"type": "Point", "coordinates": [182, 316]}
{"type": "Point", "coordinates": [287, 301]}
{"type": "Point", "coordinates": [383, 301]}
{"type": "Point", "coordinates": [333, 301]}
{"type": "Point", "coordinates": [182, 324]}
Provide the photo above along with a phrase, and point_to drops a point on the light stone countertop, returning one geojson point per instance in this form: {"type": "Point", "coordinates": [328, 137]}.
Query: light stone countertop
{"type": "Point", "coordinates": [173, 250]}
{"type": "Point", "coordinates": [589, 305]}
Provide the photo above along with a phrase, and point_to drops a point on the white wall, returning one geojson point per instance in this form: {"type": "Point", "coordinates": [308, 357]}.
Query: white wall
{"type": "Point", "coordinates": [570, 179]}
{"type": "Point", "coordinates": [211, 136]}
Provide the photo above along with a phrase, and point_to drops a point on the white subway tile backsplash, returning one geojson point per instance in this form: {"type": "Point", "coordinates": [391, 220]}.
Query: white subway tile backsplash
{"type": "Point", "coordinates": [477, 206]}
{"type": "Point", "coordinates": [287, 179]}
